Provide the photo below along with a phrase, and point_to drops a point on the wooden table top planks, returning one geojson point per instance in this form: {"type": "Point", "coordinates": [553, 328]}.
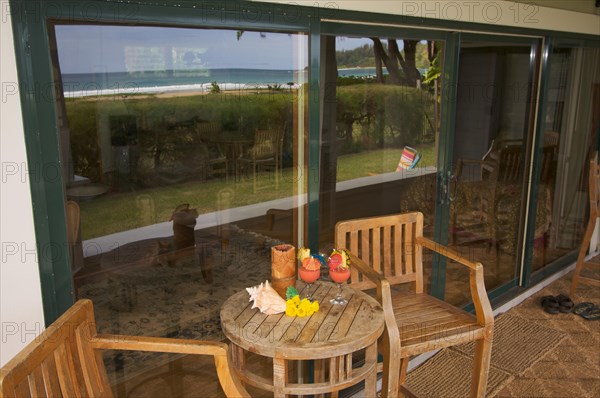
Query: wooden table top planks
{"type": "Point", "coordinates": [332, 331]}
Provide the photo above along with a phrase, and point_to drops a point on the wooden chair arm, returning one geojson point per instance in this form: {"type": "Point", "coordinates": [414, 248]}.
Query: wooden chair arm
{"type": "Point", "coordinates": [476, 161]}
{"type": "Point", "coordinates": [231, 385]}
{"type": "Point", "coordinates": [483, 308]}
{"type": "Point", "coordinates": [391, 334]}
{"type": "Point", "coordinates": [446, 252]}
{"type": "Point", "coordinates": [158, 344]}
{"type": "Point", "coordinates": [366, 270]}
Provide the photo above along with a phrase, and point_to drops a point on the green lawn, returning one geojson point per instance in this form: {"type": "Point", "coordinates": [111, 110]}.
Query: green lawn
{"type": "Point", "coordinates": [122, 211]}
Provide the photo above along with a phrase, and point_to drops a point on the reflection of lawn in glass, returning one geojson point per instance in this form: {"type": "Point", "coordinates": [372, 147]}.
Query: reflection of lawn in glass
{"type": "Point", "coordinates": [119, 212]}
{"type": "Point", "coordinates": [370, 163]}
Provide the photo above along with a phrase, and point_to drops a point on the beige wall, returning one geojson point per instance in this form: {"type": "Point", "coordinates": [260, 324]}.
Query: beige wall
{"type": "Point", "coordinates": [21, 313]}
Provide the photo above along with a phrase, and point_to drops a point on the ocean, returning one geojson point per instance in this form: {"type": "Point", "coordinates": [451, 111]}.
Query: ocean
{"type": "Point", "coordinates": [147, 82]}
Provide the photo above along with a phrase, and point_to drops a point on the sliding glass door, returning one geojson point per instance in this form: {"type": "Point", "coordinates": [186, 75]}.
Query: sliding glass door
{"type": "Point", "coordinates": [495, 107]}
{"type": "Point", "coordinates": [382, 94]}
{"type": "Point", "coordinates": [570, 129]}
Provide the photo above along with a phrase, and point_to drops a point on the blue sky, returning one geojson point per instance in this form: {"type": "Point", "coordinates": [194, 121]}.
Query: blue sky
{"type": "Point", "coordinates": [99, 49]}
{"type": "Point", "coordinates": [85, 49]}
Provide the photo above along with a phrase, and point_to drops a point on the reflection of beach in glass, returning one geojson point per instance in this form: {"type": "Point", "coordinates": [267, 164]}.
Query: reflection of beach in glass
{"type": "Point", "coordinates": [145, 82]}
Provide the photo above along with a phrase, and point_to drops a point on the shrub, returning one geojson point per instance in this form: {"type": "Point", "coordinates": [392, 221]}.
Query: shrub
{"type": "Point", "coordinates": [377, 115]}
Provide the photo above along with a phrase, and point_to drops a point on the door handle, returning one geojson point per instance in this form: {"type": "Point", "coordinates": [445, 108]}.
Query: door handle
{"type": "Point", "coordinates": [452, 186]}
{"type": "Point", "coordinates": [446, 180]}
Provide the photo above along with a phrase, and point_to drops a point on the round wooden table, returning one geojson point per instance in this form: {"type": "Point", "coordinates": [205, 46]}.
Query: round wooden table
{"type": "Point", "coordinates": [329, 337]}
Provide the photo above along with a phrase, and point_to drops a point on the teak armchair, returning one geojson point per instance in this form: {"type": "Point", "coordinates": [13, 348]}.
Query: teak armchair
{"type": "Point", "coordinates": [65, 360]}
{"type": "Point", "coordinates": [387, 252]}
{"type": "Point", "coordinates": [266, 152]}
{"type": "Point", "coordinates": [594, 179]}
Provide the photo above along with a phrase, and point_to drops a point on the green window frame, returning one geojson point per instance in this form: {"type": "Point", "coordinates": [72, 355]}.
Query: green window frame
{"type": "Point", "coordinates": [32, 19]}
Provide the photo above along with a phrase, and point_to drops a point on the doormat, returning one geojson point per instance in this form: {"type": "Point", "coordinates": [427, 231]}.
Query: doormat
{"type": "Point", "coordinates": [518, 343]}
{"type": "Point", "coordinates": [448, 374]}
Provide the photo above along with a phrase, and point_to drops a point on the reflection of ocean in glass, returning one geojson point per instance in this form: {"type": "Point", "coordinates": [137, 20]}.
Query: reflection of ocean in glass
{"type": "Point", "coordinates": [89, 84]}
{"type": "Point", "coordinates": [358, 72]}
{"type": "Point", "coordinates": [84, 84]}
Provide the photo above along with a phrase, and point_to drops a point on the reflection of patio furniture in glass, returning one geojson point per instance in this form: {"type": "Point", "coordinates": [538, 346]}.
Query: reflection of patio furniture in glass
{"type": "Point", "coordinates": [265, 153]}
{"type": "Point", "coordinates": [232, 146]}
{"type": "Point", "coordinates": [215, 160]}
{"type": "Point", "coordinates": [409, 159]}
{"type": "Point", "coordinates": [388, 251]}
{"type": "Point", "coordinates": [488, 200]}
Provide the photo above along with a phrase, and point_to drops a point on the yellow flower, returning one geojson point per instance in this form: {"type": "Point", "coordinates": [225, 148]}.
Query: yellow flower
{"type": "Point", "coordinates": [301, 311]}
{"type": "Point", "coordinates": [295, 300]}
{"type": "Point", "coordinates": [315, 306]}
{"type": "Point", "coordinates": [310, 311]}
{"type": "Point", "coordinates": [305, 302]}
{"type": "Point", "coordinates": [291, 310]}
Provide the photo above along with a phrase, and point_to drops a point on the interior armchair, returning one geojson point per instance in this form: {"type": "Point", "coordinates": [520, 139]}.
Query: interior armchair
{"type": "Point", "coordinates": [487, 206]}
{"type": "Point", "coordinates": [265, 153]}
{"type": "Point", "coordinates": [66, 361]}
{"type": "Point", "coordinates": [481, 186]}
{"type": "Point", "coordinates": [386, 254]}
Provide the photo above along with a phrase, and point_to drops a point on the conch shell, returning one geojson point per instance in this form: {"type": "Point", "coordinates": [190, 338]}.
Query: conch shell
{"type": "Point", "coordinates": [266, 299]}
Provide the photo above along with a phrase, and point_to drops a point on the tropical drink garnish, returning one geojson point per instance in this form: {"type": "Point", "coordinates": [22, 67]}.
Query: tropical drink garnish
{"type": "Point", "coordinates": [339, 259]}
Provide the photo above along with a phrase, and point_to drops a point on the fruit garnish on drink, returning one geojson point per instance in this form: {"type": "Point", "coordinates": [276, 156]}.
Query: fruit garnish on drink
{"type": "Point", "coordinates": [309, 261]}
{"type": "Point", "coordinates": [339, 259]}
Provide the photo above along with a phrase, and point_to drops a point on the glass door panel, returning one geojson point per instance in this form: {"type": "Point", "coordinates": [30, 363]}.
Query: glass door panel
{"type": "Point", "coordinates": [569, 139]}
{"type": "Point", "coordinates": [492, 133]}
{"type": "Point", "coordinates": [184, 166]}
{"type": "Point", "coordinates": [381, 118]}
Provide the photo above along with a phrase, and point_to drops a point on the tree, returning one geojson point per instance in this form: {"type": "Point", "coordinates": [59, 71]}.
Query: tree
{"type": "Point", "coordinates": [402, 69]}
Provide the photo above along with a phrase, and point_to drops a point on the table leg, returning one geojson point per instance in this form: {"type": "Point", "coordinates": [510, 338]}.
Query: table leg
{"type": "Point", "coordinates": [280, 377]}
{"type": "Point", "coordinates": [319, 373]}
{"type": "Point", "coordinates": [238, 357]}
{"type": "Point", "coordinates": [371, 379]}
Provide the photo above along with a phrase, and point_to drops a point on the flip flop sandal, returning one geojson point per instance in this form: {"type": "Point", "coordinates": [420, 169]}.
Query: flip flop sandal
{"type": "Point", "coordinates": [583, 307]}
{"type": "Point", "coordinates": [592, 314]}
{"type": "Point", "coordinates": [565, 304]}
{"type": "Point", "coordinates": [550, 304]}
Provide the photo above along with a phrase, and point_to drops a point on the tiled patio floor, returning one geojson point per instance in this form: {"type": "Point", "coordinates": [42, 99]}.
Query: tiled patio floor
{"type": "Point", "coordinates": [572, 368]}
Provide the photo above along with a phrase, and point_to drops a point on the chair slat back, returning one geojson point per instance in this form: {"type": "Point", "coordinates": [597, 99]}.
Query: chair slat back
{"type": "Point", "coordinates": [266, 144]}
{"type": "Point", "coordinates": [208, 130]}
{"type": "Point", "coordinates": [387, 244]}
{"type": "Point", "coordinates": [59, 362]}
{"type": "Point", "coordinates": [510, 167]}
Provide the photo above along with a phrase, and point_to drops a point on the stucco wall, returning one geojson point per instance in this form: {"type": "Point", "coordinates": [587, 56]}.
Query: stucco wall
{"type": "Point", "coordinates": [21, 312]}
